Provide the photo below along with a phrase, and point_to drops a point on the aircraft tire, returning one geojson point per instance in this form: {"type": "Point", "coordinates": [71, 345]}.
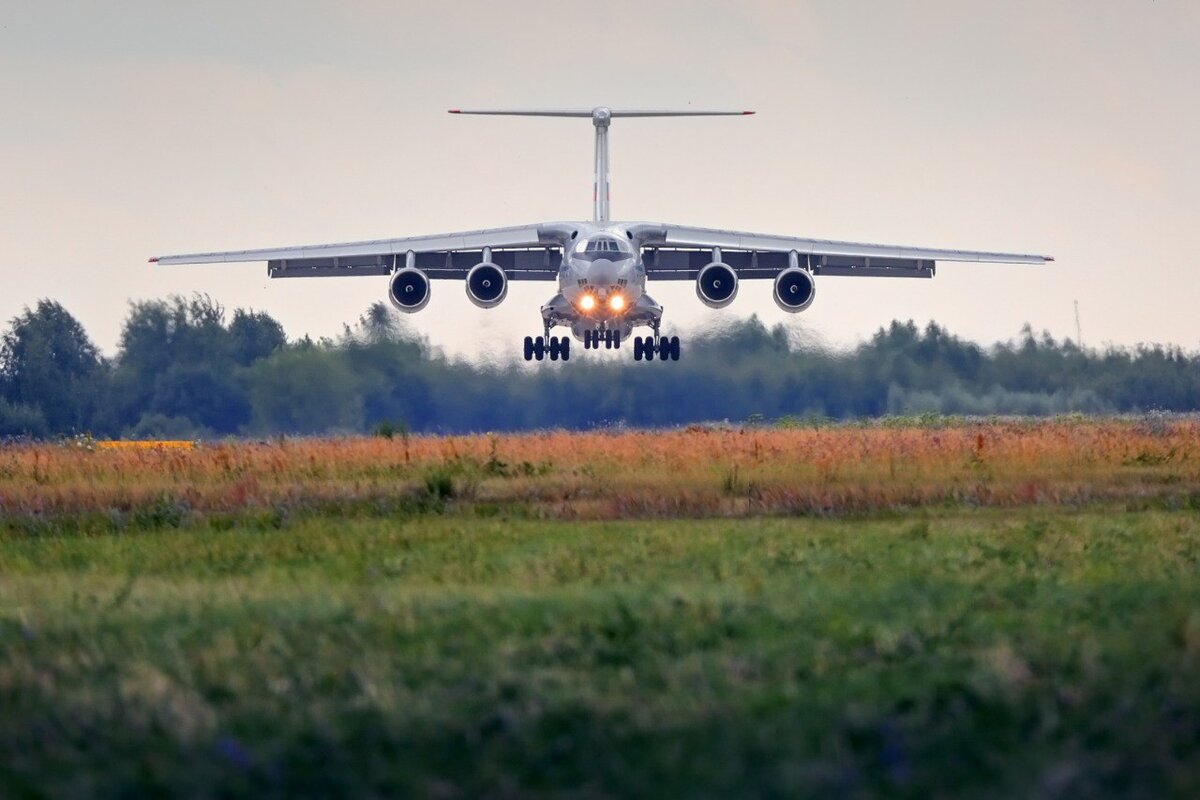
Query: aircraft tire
{"type": "Point", "coordinates": [539, 348]}
{"type": "Point", "coordinates": [529, 348]}
{"type": "Point", "coordinates": [674, 348]}
{"type": "Point", "coordinates": [564, 348]}
{"type": "Point", "coordinates": [616, 338]}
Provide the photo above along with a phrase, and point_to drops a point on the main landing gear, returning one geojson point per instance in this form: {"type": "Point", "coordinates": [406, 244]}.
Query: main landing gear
{"type": "Point", "coordinates": [558, 348]}
{"type": "Point", "coordinates": [646, 347]}
{"type": "Point", "coordinates": [539, 347]}
{"type": "Point", "coordinates": [592, 339]}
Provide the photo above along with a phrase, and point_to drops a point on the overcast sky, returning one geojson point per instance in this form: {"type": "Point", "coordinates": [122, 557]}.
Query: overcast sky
{"type": "Point", "coordinates": [132, 129]}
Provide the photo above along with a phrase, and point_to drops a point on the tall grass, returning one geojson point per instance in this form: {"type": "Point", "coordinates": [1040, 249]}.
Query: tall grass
{"type": "Point", "coordinates": [696, 471]}
{"type": "Point", "coordinates": [425, 617]}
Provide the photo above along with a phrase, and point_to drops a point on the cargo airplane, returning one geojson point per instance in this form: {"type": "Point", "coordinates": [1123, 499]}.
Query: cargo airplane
{"type": "Point", "coordinates": [602, 266]}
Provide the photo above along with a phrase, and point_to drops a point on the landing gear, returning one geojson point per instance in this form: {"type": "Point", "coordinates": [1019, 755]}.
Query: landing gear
{"type": "Point", "coordinates": [671, 348]}
{"type": "Point", "coordinates": [593, 338]}
{"type": "Point", "coordinates": [560, 348]}
{"type": "Point", "coordinates": [646, 347]}
{"type": "Point", "coordinates": [539, 347]}
{"type": "Point", "coordinates": [534, 348]}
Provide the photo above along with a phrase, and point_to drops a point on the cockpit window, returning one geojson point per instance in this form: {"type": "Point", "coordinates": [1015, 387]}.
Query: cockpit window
{"type": "Point", "coordinates": [604, 247]}
{"type": "Point", "coordinates": [604, 244]}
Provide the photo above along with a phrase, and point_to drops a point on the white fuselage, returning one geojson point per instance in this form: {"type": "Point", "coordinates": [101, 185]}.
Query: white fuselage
{"type": "Point", "coordinates": [602, 282]}
{"type": "Point", "coordinates": [602, 262]}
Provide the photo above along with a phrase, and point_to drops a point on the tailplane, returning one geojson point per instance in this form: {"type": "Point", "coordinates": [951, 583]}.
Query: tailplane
{"type": "Point", "coordinates": [591, 112]}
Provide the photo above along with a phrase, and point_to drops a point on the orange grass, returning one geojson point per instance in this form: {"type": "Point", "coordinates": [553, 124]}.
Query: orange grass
{"type": "Point", "coordinates": [696, 471]}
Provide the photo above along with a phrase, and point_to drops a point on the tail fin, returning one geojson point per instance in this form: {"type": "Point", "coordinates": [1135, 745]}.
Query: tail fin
{"type": "Point", "coordinates": [600, 116]}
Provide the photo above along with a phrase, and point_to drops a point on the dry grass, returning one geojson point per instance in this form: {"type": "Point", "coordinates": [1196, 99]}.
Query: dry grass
{"type": "Point", "coordinates": [603, 475]}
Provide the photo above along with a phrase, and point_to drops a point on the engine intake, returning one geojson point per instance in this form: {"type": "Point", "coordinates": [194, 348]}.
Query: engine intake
{"type": "Point", "coordinates": [487, 285]}
{"type": "Point", "coordinates": [794, 289]}
{"type": "Point", "coordinates": [716, 285]}
{"type": "Point", "coordinates": [409, 290]}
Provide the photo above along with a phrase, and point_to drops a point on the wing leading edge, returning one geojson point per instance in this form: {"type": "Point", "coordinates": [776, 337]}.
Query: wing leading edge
{"type": "Point", "coordinates": [525, 252]}
{"type": "Point", "coordinates": [677, 252]}
{"type": "Point", "coordinates": [682, 236]}
{"type": "Point", "coordinates": [516, 236]}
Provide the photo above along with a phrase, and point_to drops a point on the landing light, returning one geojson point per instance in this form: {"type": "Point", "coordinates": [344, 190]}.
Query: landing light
{"type": "Point", "coordinates": [616, 302]}
{"type": "Point", "coordinates": [587, 302]}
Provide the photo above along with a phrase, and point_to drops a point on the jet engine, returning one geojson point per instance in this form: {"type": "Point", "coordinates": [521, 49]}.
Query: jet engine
{"type": "Point", "coordinates": [409, 290]}
{"type": "Point", "coordinates": [487, 285]}
{"type": "Point", "coordinates": [794, 289]}
{"type": "Point", "coordinates": [716, 285]}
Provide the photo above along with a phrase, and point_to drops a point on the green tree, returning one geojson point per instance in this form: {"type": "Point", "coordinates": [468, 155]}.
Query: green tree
{"type": "Point", "coordinates": [48, 364]}
{"type": "Point", "coordinates": [21, 420]}
{"type": "Point", "coordinates": [254, 335]}
{"type": "Point", "coordinates": [305, 389]}
{"type": "Point", "coordinates": [178, 360]}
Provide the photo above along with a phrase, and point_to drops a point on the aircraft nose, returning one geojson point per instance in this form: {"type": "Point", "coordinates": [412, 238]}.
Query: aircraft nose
{"type": "Point", "coordinates": [602, 273]}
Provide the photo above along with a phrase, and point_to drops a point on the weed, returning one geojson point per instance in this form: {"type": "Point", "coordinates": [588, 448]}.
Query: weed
{"type": "Point", "coordinates": [733, 484]}
{"type": "Point", "coordinates": [494, 466]}
{"type": "Point", "coordinates": [439, 483]}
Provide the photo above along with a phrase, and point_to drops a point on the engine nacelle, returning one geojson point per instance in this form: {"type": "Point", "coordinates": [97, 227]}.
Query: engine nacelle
{"type": "Point", "coordinates": [795, 289]}
{"type": "Point", "coordinates": [409, 290]}
{"type": "Point", "coordinates": [716, 285]}
{"type": "Point", "coordinates": [487, 285]}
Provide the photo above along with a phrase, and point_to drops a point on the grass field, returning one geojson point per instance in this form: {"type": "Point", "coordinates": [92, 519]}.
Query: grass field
{"type": "Point", "coordinates": [1001, 609]}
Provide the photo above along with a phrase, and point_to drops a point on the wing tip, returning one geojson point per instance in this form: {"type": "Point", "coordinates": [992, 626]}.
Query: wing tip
{"type": "Point", "coordinates": [454, 111]}
{"type": "Point", "coordinates": [154, 260]}
{"type": "Point", "coordinates": [747, 113]}
{"type": "Point", "coordinates": [1048, 258]}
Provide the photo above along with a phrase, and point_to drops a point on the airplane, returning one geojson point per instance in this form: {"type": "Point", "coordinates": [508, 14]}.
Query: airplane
{"type": "Point", "coordinates": [602, 266]}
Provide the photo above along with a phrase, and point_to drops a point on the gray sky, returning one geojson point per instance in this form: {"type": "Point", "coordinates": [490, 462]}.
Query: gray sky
{"type": "Point", "coordinates": [130, 129]}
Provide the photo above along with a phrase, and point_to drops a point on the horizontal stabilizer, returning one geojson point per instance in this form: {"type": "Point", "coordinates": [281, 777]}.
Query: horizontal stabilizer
{"type": "Point", "coordinates": [588, 112]}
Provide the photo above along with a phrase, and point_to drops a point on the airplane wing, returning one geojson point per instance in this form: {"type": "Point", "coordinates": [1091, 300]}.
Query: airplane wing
{"type": "Point", "coordinates": [677, 252]}
{"type": "Point", "coordinates": [525, 252]}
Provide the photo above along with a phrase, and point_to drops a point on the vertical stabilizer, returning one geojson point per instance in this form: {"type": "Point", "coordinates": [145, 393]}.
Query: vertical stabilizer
{"type": "Point", "coordinates": [601, 116]}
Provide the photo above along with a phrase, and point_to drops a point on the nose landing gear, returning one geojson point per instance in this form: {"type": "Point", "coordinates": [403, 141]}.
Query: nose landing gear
{"type": "Point", "coordinates": [593, 338]}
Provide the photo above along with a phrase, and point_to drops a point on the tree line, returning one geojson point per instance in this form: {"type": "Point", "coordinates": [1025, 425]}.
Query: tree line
{"type": "Point", "coordinates": [186, 368]}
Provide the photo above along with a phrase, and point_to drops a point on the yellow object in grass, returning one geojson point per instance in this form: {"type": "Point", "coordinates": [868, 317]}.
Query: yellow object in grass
{"type": "Point", "coordinates": [152, 444]}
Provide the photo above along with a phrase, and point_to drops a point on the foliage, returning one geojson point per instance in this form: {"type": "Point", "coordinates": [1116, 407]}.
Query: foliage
{"type": "Point", "coordinates": [17, 419]}
{"type": "Point", "coordinates": [50, 369]}
{"type": "Point", "coordinates": [306, 389]}
{"type": "Point", "coordinates": [180, 359]}
{"type": "Point", "coordinates": [155, 425]}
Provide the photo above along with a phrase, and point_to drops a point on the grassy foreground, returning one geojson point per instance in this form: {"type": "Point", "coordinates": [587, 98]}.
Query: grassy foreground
{"type": "Point", "coordinates": [455, 647]}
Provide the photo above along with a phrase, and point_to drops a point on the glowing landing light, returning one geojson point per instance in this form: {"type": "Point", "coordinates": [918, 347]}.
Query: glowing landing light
{"type": "Point", "coordinates": [587, 302]}
{"type": "Point", "coordinates": [616, 302]}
